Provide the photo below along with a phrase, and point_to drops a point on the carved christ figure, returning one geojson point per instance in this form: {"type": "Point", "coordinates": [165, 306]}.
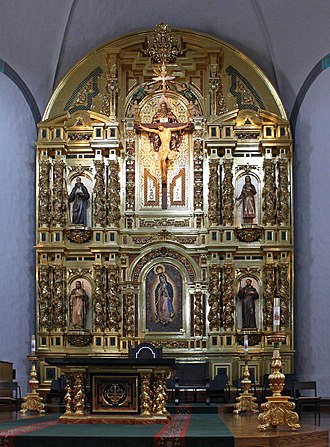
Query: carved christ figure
{"type": "Point", "coordinates": [166, 154]}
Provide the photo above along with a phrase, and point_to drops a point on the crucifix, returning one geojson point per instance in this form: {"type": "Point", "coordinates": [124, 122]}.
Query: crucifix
{"type": "Point", "coordinates": [164, 148]}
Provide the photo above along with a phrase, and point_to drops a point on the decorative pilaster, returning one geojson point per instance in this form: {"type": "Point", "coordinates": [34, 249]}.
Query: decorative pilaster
{"type": "Point", "coordinates": [45, 303]}
{"type": "Point", "coordinates": [283, 194]}
{"type": "Point", "coordinates": [214, 298]}
{"type": "Point", "coordinates": [99, 217]}
{"type": "Point", "coordinates": [214, 204]}
{"type": "Point", "coordinates": [198, 314]}
{"type": "Point", "coordinates": [268, 193]}
{"type": "Point", "coordinates": [114, 303]}
{"type": "Point", "coordinates": [130, 170]}
{"type": "Point", "coordinates": [198, 170]}
{"type": "Point", "coordinates": [283, 293]}
{"type": "Point", "coordinates": [113, 194]}
{"type": "Point", "coordinates": [60, 194]}
{"type": "Point", "coordinates": [228, 297]}
{"type": "Point", "coordinates": [228, 193]}
{"type": "Point", "coordinates": [58, 298]}
{"type": "Point", "coordinates": [44, 214]}
{"type": "Point", "coordinates": [269, 294]}
{"type": "Point", "coordinates": [99, 304]}
{"type": "Point", "coordinates": [217, 99]}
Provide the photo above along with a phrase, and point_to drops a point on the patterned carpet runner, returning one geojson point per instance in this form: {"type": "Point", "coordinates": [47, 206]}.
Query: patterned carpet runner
{"type": "Point", "coordinates": [7, 436]}
{"type": "Point", "coordinates": [173, 434]}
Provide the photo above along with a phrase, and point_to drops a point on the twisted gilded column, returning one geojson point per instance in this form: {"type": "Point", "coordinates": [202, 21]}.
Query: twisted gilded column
{"type": "Point", "coordinates": [228, 193]}
{"type": "Point", "coordinates": [59, 310]}
{"type": "Point", "coordinates": [129, 320]}
{"type": "Point", "coordinates": [44, 300]}
{"type": "Point", "coordinates": [228, 297]}
{"type": "Point", "coordinates": [214, 196]}
{"type": "Point", "coordinates": [60, 195]}
{"type": "Point", "coordinates": [114, 302]}
{"type": "Point", "coordinates": [283, 194]}
{"type": "Point", "coordinates": [268, 193]}
{"type": "Point", "coordinates": [198, 170]}
{"type": "Point", "coordinates": [283, 293]}
{"type": "Point", "coordinates": [198, 313]}
{"type": "Point", "coordinates": [44, 215]}
{"type": "Point", "coordinates": [99, 216]}
{"type": "Point", "coordinates": [113, 194]}
{"type": "Point", "coordinates": [99, 305]}
{"type": "Point", "coordinates": [269, 294]}
{"type": "Point", "coordinates": [130, 170]}
{"type": "Point", "coordinates": [214, 298]}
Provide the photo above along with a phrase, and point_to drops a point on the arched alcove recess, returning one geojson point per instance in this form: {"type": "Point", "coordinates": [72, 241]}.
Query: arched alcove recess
{"type": "Point", "coordinates": [164, 138]}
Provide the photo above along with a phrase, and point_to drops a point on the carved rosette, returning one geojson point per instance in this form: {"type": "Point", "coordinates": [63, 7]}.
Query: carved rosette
{"type": "Point", "coordinates": [113, 194]}
{"type": "Point", "coordinates": [60, 194]}
{"type": "Point", "coordinates": [269, 294]}
{"type": "Point", "coordinates": [198, 171]}
{"type": "Point", "coordinates": [283, 194]}
{"type": "Point", "coordinates": [198, 314]}
{"type": "Point", "coordinates": [228, 297]}
{"type": "Point", "coordinates": [228, 193]}
{"type": "Point", "coordinates": [58, 298]}
{"type": "Point", "coordinates": [130, 171]}
{"type": "Point", "coordinates": [268, 193]}
{"type": "Point", "coordinates": [45, 304]}
{"type": "Point", "coordinates": [129, 320]}
{"type": "Point", "coordinates": [214, 205]}
{"type": "Point", "coordinates": [214, 298]}
{"type": "Point", "coordinates": [99, 304]}
{"type": "Point", "coordinates": [99, 195]}
{"type": "Point", "coordinates": [114, 302]}
{"type": "Point", "coordinates": [44, 193]}
{"type": "Point", "coordinates": [284, 293]}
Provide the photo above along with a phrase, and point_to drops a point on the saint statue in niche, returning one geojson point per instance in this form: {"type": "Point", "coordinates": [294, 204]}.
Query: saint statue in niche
{"type": "Point", "coordinates": [247, 296]}
{"type": "Point", "coordinates": [78, 305]}
{"type": "Point", "coordinates": [79, 198]}
{"type": "Point", "coordinates": [248, 201]}
{"type": "Point", "coordinates": [164, 301]}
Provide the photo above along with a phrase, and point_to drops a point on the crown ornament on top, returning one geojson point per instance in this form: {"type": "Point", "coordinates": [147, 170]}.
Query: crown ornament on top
{"type": "Point", "coordinates": [162, 46]}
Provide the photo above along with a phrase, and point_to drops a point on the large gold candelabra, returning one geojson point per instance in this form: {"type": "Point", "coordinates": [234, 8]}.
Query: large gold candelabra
{"type": "Point", "coordinates": [246, 400]}
{"type": "Point", "coordinates": [278, 409]}
{"type": "Point", "coordinates": [32, 401]}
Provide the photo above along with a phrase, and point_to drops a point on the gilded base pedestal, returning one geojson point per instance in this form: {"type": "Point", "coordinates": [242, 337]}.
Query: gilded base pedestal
{"type": "Point", "coordinates": [278, 411]}
{"type": "Point", "coordinates": [246, 400]}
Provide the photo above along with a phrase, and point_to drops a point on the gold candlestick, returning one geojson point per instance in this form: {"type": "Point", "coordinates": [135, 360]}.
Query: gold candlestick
{"type": "Point", "coordinates": [32, 401]}
{"type": "Point", "coordinates": [246, 400]}
{"type": "Point", "coordinates": [278, 409]}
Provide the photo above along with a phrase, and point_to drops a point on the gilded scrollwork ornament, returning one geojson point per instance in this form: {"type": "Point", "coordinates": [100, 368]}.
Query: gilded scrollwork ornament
{"type": "Point", "coordinates": [198, 314]}
{"type": "Point", "coordinates": [45, 304]}
{"type": "Point", "coordinates": [44, 193]}
{"type": "Point", "coordinates": [214, 298]}
{"type": "Point", "coordinates": [113, 194]}
{"type": "Point", "coordinates": [99, 302]}
{"type": "Point", "coordinates": [109, 103]}
{"type": "Point", "coordinates": [214, 205]}
{"type": "Point", "coordinates": [228, 297]}
{"type": "Point", "coordinates": [268, 193]}
{"type": "Point", "coordinates": [59, 205]}
{"type": "Point", "coordinates": [129, 320]}
{"type": "Point", "coordinates": [99, 216]}
{"type": "Point", "coordinates": [114, 301]}
{"type": "Point", "coordinates": [283, 194]}
{"type": "Point", "coordinates": [59, 309]}
{"type": "Point", "coordinates": [269, 294]}
{"type": "Point", "coordinates": [284, 294]}
{"type": "Point", "coordinates": [130, 171]}
{"type": "Point", "coordinates": [163, 46]}
{"type": "Point", "coordinates": [228, 193]}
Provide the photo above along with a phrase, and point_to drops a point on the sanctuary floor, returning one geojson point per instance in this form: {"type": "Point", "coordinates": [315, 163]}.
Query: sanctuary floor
{"type": "Point", "coordinates": [246, 434]}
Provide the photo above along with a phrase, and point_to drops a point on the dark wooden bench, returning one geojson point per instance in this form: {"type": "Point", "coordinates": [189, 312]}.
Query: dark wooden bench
{"type": "Point", "coordinates": [10, 393]}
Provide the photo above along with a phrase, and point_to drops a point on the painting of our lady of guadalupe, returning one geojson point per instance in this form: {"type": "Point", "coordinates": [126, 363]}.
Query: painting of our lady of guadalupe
{"type": "Point", "coordinates": [164, 299]}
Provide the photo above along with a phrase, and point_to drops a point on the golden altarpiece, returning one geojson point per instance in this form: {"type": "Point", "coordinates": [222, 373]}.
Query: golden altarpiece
{"type": "Point", "coordinates": [164, 206]}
